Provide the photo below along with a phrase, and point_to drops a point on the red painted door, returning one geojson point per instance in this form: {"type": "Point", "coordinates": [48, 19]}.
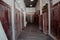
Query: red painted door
{"type": "Point", "coordinates": [22, 21]}
{"type": "Point", "coordinates": [45, 19]}
{"type": "Point", "coordinates": [4, 11]}
{"type": "Point", "coordinates": [5, 22]}
{"type": "Point", "coordinates": [40, 23]}
{"type": "Point", "coordinates": [45, 16]}
{"type": "Point", "coordinates": [55, 20]}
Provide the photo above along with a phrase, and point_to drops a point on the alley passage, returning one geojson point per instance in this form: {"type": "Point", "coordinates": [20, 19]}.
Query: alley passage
{"type": "Point", "coordinates": [31, 32]}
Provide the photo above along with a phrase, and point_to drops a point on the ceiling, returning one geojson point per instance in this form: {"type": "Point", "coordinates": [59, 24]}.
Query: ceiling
{"type": "Point", "coordinates": [30, 3]}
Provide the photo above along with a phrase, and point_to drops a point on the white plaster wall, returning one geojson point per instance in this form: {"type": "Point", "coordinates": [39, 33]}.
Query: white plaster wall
{"type": "Point", "coordinates": [44, 2]}
{"type": "Point", "coordinates": [19, 4]}
{"type": "Point", "coordinates": [2, 33]}
{"type": "Point", "coordinates": [22, 8]}
{"type": "Point", "coordinates": [30, 14]}
{"type": "Point", "coordinates": [9, 2]}
{"type": "Point", "coordinates": [38, 5]}
{"type": "Point", "coordinates": [55, 1]}
{"type": "Point", "coordinates": [30, 10]}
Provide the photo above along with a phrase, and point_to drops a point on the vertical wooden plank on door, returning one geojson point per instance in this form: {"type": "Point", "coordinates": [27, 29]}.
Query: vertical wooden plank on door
{"type": "Point", "coordinates": [6, 22]}
{"type": "Point", "coordinates": [40, 23]}
{"type": "Point", "coordinates": [45, 18]}
{"type": "Point", "coordinates": [22, 21]}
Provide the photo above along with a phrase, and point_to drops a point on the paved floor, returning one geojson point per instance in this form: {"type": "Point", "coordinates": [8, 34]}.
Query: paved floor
{"type": "Point", "coordinates": [32, 33]}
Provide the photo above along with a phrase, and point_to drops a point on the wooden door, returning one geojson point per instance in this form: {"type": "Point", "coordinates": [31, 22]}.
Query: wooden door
{"type": "Point", "coordinates": [45, 16]}
{"type": "Point", "coordinates": [22, 21]}
{"type": "Point", "coordinates": [55, 20]}
{"type": "Point", "coordinates": [40, 23]}
{"type": "Point", "coordinates": [36, 17]}
{"type": "Point", "coordinates": [4, 12]}
{"type": "Point", "coordinates": [45, 19]}
{"type": "Point", "coordinates": [5, 22]}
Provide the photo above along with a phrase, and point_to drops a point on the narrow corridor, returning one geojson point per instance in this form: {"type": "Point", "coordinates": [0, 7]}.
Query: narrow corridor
{"type": "Point", "coordinates": [29, 19]}
{"type": "Point", "coordinates": [31, 32]}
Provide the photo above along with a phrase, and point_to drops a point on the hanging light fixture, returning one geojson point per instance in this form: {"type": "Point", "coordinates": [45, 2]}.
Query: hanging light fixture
{"type": "Point", "coordinates": [30, 5]}
{"type": "Point", "coordinates": [31, 0]}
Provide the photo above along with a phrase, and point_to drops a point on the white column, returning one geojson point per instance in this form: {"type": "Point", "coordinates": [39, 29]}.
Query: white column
{"type": "Point", "coordinates": [24, 19]}
{"type": "Point", "coordinates": [49, 25]}
{"type": "Point", "coordinates": [41, 7]}
{"type": "Point", "coordinates": [12, 14]}
{"type": "Point", "coordinates": [21, 20]}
